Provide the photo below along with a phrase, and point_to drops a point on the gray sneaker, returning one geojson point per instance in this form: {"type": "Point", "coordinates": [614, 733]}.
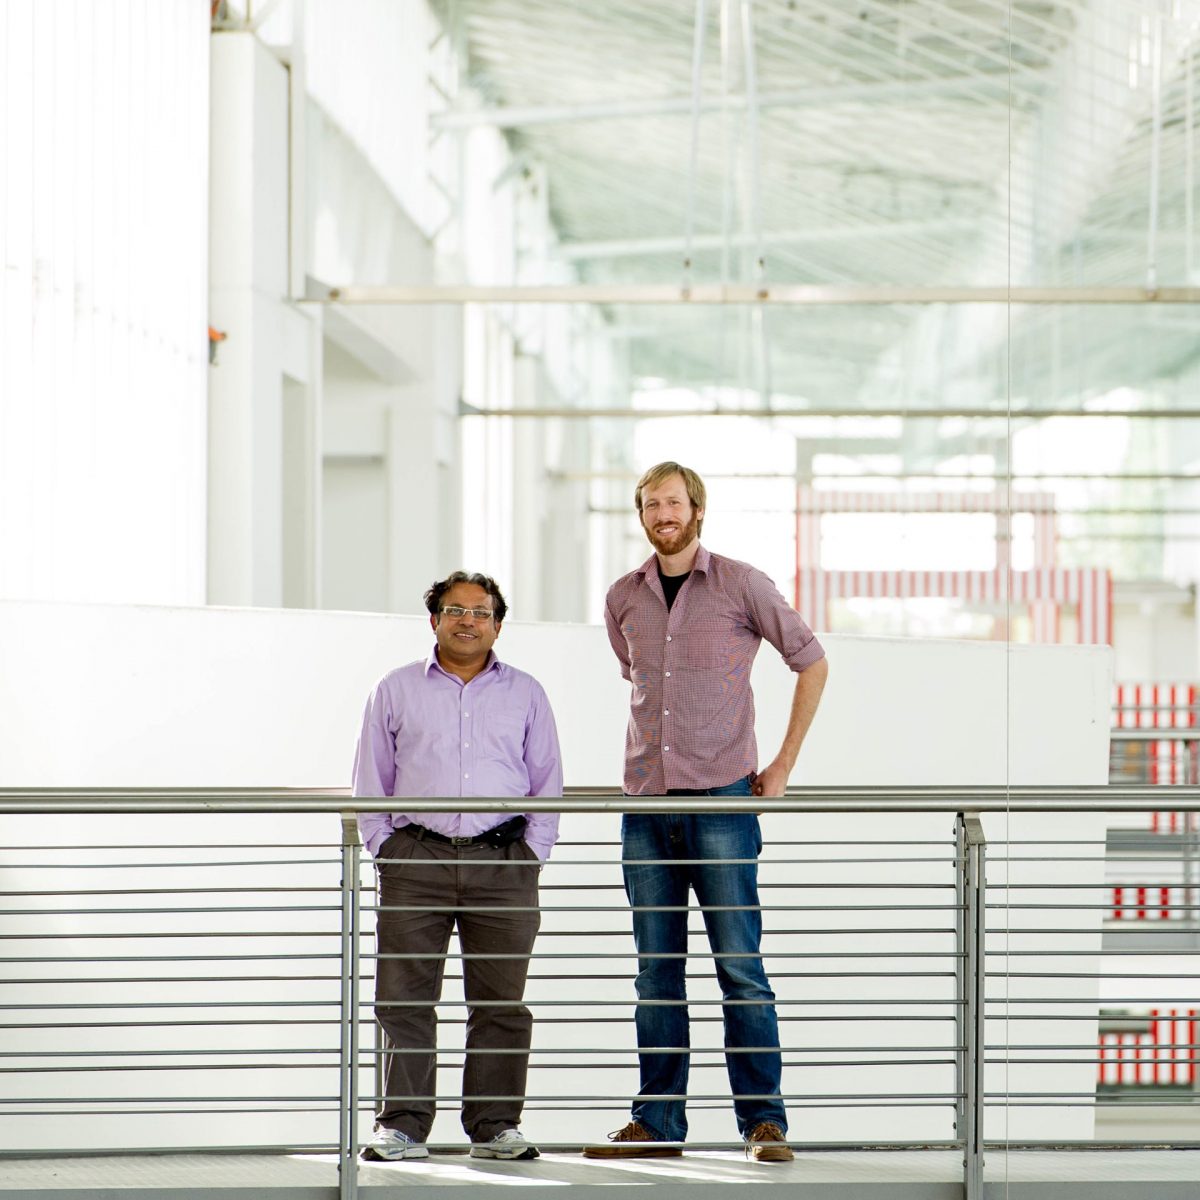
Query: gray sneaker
{"type": "Point", "coordinates": [390, 1145]}
{"type": "Point", "coordinates": [508, 1143]}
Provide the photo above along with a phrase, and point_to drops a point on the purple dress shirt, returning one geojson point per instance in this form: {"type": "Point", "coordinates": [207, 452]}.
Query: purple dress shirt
{"type": "Point", "coordinates": [691, 719]}
{"type": "Point", "coordinates": [426, 733]}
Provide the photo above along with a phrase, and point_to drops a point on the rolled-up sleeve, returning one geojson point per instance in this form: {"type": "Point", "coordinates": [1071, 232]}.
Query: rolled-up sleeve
{"type": "Point", "coordinates": [779, 623]}
{"type": "Point", "coordinates": [375, 767]}
{"type": "Point", "coordinates": [543, 762]}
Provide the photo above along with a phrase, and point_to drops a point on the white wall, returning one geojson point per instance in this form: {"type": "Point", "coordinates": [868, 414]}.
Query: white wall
{"type": "Point", "coordinates": [268, 339]}
{"type": "Point", "coordinates": [103, 343]}
{"type": "Point", "coordinates": [1154, 644]}
{"type": "Point", "coordinates": [109, 697]}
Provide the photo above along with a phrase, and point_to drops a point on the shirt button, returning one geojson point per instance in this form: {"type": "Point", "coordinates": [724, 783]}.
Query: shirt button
{"type": "Point", "coordinates": [666, 747]}
{"type": "Point", "coordinates": [466, 774]}
{"type": "Point", "coordinates": [668, 637]}
{"type": "Point", "coordinates": [668, 674]}
{"type": "Point", "coordinates": [666, 712]}
{"type": "Point", "coordinates": [466, 745]}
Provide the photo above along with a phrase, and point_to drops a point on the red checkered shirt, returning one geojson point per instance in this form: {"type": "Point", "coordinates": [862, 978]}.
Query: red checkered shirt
{"type": "Point", "coordinates": [691, 719]}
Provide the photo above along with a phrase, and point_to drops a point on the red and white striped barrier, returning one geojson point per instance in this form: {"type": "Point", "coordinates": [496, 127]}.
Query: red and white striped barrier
{"type": "Point", "coordinates": [1044, 609]}
{"type": "Point", "coordinates": [1088, 589]}
{"type": "Point", "coordinates": [1160, 706]}
{"type": "Point", "coordinates": [1163, 1055]}
{"type": "Point", "coordinates": [1149, 902]}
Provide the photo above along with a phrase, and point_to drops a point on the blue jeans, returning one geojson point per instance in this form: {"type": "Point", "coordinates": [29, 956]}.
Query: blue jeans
{"type": "Point", "coordinates": [749, 1011]}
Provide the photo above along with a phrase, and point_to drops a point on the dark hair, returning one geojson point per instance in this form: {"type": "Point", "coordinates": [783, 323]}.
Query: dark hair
{"type": "Point", "coordinates": [433, 597]}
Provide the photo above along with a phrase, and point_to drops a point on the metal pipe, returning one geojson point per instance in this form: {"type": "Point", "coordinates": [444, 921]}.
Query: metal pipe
{"type": "Point", "coordinates": [348, 1022]}
{"type": "Point", "coordinates": [737, 293]}
{"type": "Point", "coordinates": [589, 413]}
{"type": "Point", "coordinates": [689, 225]}
{"type": "Point", "coordinates": [991, 798]}
{"type": "Point", "coordinates": [974, 1005]}
{"type": "Point", "coordinates": [1155, 152]}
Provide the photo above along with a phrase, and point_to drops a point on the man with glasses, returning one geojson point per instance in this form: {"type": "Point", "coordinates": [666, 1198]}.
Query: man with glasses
{"type": "Point", "coordinates": [685, 627]}
{"type": "Point", "coordinates": [458, 723]}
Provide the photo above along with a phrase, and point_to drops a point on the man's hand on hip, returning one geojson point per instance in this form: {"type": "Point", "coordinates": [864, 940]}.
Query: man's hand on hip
{"type": "Point", "coordinates": [771, 780]}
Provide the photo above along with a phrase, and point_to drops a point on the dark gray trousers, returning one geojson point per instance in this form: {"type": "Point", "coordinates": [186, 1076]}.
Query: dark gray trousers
{"type": "Point", "coordinates": [489, 888]}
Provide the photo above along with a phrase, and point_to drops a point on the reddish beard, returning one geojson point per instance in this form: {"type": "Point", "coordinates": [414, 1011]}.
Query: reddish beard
{"type": "Point", "coordinates": [673, 545]}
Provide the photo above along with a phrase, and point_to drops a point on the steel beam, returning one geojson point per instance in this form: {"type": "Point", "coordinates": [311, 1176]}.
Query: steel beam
{"type": "Point", "coordinates": [875, 414]}
{"type": "Point", "coordinates": [640, 247]}
{"type": "Point", "coordinates": [523, 117]}
{"type": "Point", "coordinates": [797, 294]}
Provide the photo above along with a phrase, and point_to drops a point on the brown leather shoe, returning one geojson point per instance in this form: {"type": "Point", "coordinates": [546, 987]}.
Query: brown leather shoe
{"type": "Point", "coordinates": [766, 1142]}
{"type": "Point", "coordinates": [634, 1141]}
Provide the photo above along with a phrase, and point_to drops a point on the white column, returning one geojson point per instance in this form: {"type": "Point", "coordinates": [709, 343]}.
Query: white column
{"type": "Point", "coordinates": [268, 341]}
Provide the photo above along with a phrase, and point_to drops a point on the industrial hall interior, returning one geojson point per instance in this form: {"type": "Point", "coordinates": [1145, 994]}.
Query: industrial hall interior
{"type": "Point", "coordinates": [731, 466]}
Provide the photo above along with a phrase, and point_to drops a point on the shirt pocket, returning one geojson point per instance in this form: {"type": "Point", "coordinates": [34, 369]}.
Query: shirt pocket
{"type": "Point", "coordinates": [706, 645]}
{"type": "Point", "coordinates": [503, 736]}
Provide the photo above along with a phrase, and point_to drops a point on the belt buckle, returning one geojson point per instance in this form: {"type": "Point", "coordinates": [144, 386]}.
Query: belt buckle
{"type": "Point", "coordinates": [461, 841]}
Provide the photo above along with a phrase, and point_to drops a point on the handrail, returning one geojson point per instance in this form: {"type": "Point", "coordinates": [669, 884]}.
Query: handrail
{"type": "Point", "coordinates": [974, 945]}
{"type": "Point", "coordinates": [965, 799]}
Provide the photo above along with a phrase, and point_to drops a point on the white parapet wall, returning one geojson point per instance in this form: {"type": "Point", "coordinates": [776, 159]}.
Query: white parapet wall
{"type": "Point", "coordinates": [112, 697]}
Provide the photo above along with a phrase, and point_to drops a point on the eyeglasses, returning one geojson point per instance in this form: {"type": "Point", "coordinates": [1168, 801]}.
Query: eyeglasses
{"type": "Point", "coordinates": [480, 614]}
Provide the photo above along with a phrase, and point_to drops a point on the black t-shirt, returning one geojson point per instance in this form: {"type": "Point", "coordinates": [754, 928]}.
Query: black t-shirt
{"type": "Point", "coordinates": [671, 585]}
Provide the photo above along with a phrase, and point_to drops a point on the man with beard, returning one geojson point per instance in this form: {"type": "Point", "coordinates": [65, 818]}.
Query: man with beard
{"type": "Point", "coordinates": [685, 627]}
{"type": "Point", "coordinates": [457, 723]}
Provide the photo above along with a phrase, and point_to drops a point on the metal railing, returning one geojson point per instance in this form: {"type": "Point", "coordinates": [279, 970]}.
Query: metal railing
{"type": "Point", "coordinates": [944, 962]}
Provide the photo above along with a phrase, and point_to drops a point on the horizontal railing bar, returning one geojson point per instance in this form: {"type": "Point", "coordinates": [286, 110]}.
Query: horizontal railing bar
{"type": "Point", "coordinates": [848, 1018]}
{"type": "Point", "coordinates": [331, 861]}
{"type": "Point", "coordinates": [126, 958]}
{"type": "Point", "coordinates": [763, 885]}
{"type": "Point", "coordinates": [627, 954]}
{"type": "Point", "coordinates": [626, 1002]}
{"type": "Point", "coordinates": [1164, 952]}
{"type": "Point", "coordinates": [126, 1068]}
{"type": "Point", "coordinates": [529, 1003]}
{"type": "Point", "coordinates": [135, 935]}
{"type": "Point", "coordinates": [995, 905]}
{"type": "Point", "coordinates": [245, 890]}
{"type": "Point", "coordinates": [831, 885]}
{"type": "Point", "coordinates": [534, 1051]}
{"type": "Point", "coordinates": [448, 1060]}
{"type": "Point", "coordinates": [174, 1004]}
{"type": "Point", "coordinates": [1075, 1001]}
{"type": "Point", "coordinates": [661, 908]}
{"type": "Point", "coordinates": [1101, 1147]}
{"type": "Point", "coordinates": [556, 861]}
{"type": "Point", "coordinates": [446, 1148]}
{"type": "Point", "coordinates": [116, 1100]}
{"type": "Point", "coordinates": [583, 1098]}
{"type": "Point", "coordinates": [1098, 1060]}
{"type": "Point", "coordinates": [164, 1151]}
{"type": "Point", "coordinates": [451, 956]}
{"type": "Point", "coordinates": [1141, 928]}
{"type": "Point", "coordinates": [802, 932]}
{"type": "Point", "coordinates": [158, 912]}
{"type": "Point", "coordinates": [92, 980]}
{"type": "Point", "coordinates": [298, 1107]}
{"type": "Point", "coordinates": [1098, 799]}
{"type": "Point", "coordinates": [555, 1106]}
{"type": "Point", "coordinates": [1124, 975]}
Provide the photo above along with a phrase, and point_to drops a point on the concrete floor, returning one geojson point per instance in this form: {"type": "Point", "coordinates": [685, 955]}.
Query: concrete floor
{"type": "Point", "coordinates": [836, 1175]}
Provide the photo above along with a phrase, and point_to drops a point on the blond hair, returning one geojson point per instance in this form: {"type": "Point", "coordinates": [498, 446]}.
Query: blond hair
{"type": "Point", "coordinates": [660, 473]}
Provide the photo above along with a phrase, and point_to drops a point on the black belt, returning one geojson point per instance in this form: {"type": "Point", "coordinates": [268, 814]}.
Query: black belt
{"type": "Point", "coordinates": [500, 835]}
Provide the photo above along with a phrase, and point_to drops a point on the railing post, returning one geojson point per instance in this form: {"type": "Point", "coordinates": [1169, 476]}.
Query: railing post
{"type": "Point", "coordinates": [348, 1052]}
{"type": "Point", "coordinates": [972, 864]}
{"type": "Point", "coordinates": [960, 978]}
